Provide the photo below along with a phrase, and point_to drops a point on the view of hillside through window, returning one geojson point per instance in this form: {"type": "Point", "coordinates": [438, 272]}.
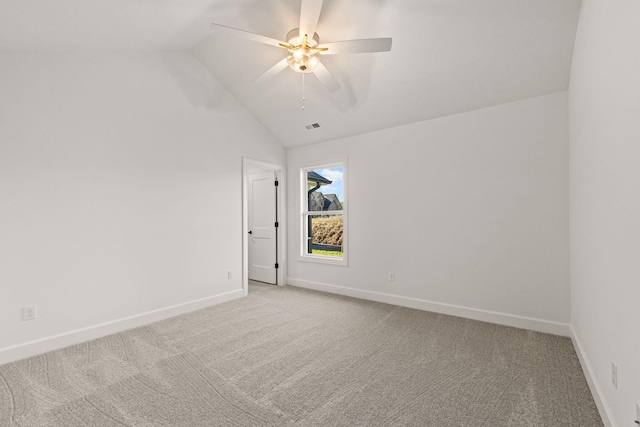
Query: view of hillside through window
{"type": "Point", "coordinates": [324, 215]}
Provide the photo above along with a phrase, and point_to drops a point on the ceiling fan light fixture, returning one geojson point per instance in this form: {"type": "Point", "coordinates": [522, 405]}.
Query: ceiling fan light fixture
{"type": "Point", "coordinates": [303, 64]}
{"type": "Point", "coordinates": [303, 51]}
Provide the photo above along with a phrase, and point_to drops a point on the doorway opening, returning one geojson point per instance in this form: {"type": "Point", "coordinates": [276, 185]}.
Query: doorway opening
{"type": "Point", "coordinates": [263, 223]}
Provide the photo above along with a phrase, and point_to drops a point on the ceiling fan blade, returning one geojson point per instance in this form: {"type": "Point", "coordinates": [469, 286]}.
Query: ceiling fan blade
{"type": "Point", "coordinates": [223, 29]}
{"type": "Point", "coordinates": [309, 14]}
{"type": "Point", "coordinates": [271, 72]}
{"type": "Point", "coordinates": [326, 78]}
{"type": "Point", "coordinates": [358, 46]}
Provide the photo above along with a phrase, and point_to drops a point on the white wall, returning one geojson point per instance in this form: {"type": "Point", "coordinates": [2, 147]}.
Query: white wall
{"type": "Point", "coordinates": [470, 212]}
{"type": "Point", "coordinates": [604, 100]}
{"type": "Point", "coordinates": [120, 190]}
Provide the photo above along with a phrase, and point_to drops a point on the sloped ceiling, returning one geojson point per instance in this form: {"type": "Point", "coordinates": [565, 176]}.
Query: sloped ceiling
{"type": "Point", "coordinates": [448, 56]}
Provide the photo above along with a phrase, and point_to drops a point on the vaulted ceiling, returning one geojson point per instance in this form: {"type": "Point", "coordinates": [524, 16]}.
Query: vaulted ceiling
{"type": "Point", "coordinates": [448, 56]}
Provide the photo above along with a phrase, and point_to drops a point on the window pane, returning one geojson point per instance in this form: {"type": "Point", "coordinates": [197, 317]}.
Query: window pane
{"type": "Point", "coordinates": [326, 235]}
{"type": "Point", "coordinates": [325, 189]}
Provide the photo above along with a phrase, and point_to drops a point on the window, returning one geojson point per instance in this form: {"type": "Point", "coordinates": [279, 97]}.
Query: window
{"type": "Point", "coordinates": [323, 220]}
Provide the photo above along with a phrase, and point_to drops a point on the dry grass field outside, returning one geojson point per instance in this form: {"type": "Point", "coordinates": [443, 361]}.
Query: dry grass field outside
{"type": "Point", "coordinates": [327, 230]}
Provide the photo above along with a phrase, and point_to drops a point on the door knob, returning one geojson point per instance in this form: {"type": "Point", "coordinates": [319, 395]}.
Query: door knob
{"type": "Point", "coordinates": [250, 232]}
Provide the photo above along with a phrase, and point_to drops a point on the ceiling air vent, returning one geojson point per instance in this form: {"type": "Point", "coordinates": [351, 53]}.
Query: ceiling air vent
{"type": "Point", "coordinates": [313, 126]}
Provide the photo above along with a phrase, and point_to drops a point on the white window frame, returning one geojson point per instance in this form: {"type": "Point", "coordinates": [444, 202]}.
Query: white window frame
{"type": "Point", "coordinates": [304, 212]}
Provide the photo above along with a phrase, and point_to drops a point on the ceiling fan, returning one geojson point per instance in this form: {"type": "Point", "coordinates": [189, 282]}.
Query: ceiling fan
{"type": "Point", "coordinates": [303, 46]}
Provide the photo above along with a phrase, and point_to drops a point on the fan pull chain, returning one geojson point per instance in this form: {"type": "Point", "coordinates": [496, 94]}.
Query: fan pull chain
{"type": "Point", "coordinates": [303, 98]}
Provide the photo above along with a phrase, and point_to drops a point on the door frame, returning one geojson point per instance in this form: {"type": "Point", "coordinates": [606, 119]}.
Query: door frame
{"type": "Point", "coordinates": [250, 167]}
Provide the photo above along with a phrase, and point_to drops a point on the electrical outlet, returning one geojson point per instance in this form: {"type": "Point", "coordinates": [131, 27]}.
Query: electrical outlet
{"type": "Point", "coordinates": [229, 274]}
{"type": "Point", "coordinates": [392, 276]}
{"type": "Point", "coordinates": [29, 312]}
{"type": "Point", "coordinates": [614, 374]}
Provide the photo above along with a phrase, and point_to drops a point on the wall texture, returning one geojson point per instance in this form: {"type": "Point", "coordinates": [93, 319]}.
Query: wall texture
{"type": "Point", "coordinates": [120, 186]}
{"type": "Point", "coordinates": [604, 105]}
{"type": "Point", "coordinates": [469, 211]}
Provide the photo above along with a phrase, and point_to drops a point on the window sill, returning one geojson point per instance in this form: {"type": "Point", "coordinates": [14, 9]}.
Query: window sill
{"type": "Point", "coordinates": [340, 261]}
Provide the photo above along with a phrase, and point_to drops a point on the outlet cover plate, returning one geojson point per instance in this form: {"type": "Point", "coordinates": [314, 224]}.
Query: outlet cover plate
{"type": "Point", "coordinates": [29, 312]}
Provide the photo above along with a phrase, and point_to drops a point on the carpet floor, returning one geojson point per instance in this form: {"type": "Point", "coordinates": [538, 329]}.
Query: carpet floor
{"type": "Point", "coordinates": [285, 356]}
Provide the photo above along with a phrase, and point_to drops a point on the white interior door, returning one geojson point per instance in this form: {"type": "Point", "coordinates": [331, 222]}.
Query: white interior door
{"type": "Point", "coordinates": [262, 227]}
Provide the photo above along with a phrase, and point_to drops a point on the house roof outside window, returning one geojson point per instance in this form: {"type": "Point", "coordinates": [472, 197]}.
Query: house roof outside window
{"type": "Point", "coordinates": [315, 177]}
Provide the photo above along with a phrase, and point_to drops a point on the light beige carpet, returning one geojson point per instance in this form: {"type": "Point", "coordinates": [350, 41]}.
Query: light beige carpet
{"type": "Point", "coordinates": [285, 356]}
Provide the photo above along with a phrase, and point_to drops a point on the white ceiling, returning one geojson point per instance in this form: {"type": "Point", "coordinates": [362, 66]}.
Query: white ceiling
{"type": "Point", "coordinates": [448, 56]}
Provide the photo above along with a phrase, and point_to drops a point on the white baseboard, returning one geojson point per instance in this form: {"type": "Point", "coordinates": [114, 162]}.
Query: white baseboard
{"type": "Point", "coordinates": [522, 322]}
{"type": "Point", "coordinates": [55, 342]}
{"type": "Point", "coordinates": [594, 385]}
